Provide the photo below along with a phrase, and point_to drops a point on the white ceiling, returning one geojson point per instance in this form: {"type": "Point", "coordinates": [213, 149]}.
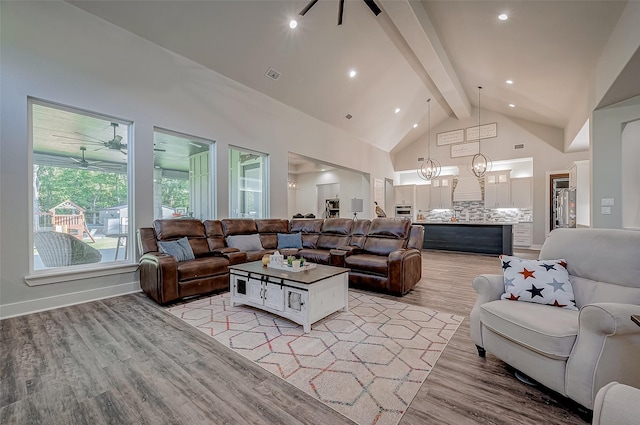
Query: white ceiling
{"type": "Point", "coordinates": [411, 52]}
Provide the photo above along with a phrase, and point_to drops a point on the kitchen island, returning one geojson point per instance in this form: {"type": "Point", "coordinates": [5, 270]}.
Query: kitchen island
{"type": "Point", "coordinates": [480, 237]}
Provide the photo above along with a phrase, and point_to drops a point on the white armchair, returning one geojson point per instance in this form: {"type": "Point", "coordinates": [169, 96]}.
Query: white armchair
{"type": "Point", "coordinates": [616, 404]}
{"type": "Point", "coordinates": [574, 353]}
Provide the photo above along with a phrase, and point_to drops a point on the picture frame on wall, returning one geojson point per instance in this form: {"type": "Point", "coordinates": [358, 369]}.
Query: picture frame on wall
{"type": "Point", "coordinates": [450, 137]}
{"type": "Point", "coordinates": [487, 131]}
{"type": "Point", "coordinates": [465, 149]}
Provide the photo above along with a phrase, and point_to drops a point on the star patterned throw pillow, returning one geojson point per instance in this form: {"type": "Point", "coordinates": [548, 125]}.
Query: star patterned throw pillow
{"type": "Point", "coordinates": [537, 281]}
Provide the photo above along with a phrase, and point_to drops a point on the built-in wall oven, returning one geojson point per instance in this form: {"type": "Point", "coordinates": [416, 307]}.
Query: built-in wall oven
{"type": "Point", "coordinates": [404, 211]}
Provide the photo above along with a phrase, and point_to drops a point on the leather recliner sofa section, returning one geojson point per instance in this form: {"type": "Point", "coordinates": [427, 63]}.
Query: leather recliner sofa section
{"type": "Point", "coordinates": [384, 259]}
{"type": "Point", "coordinates": [163, 278]}
{"type": "Point", "coordinates": [383, 254]}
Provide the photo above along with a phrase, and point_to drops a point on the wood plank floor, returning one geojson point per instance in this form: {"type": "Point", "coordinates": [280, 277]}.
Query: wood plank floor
{"type": "Point", "coordinates": [125, 361]}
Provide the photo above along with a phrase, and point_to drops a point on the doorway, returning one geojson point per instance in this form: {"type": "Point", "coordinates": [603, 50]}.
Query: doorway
{"type": "Point", "coordinates": [556, 182]}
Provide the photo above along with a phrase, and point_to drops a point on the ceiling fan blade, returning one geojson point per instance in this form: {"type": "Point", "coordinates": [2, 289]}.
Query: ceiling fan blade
{"type": "Point", "coordinates": [91, 137]}
{"type": "Point", "coordinates": [340, 11]}
{"type": "Point", "coordinates": [373, 6]}
{"type": "Point", "coordinates": [307, 7]}
{"type": "Point", "coordinates": [75, 138]}
{"type": "Point", "coordinates": [75, 160]}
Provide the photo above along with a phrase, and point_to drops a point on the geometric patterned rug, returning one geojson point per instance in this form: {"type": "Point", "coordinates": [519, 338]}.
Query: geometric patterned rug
{"type": "Point", "coordinates": [367, 364]}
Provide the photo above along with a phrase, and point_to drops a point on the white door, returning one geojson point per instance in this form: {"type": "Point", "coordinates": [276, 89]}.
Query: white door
{"type": "Point", "coordinates": [274, 296]}
{"type": "Point", "coordinates": [254, 290]}
{"type": "Point", "coordinates": [295, 302]}
{"type": "Point", "coordinates": [239, 286]}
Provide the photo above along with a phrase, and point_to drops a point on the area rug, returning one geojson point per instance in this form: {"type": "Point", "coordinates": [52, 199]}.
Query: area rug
{"type": "Point", "coordinates": [368, 363]}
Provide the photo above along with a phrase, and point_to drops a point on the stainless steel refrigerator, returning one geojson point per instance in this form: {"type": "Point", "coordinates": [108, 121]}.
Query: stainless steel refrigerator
{"type": "Point", "coordinates": [565, 208]}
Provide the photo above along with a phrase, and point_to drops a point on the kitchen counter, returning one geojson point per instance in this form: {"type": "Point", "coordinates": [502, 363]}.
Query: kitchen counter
{"type": "Point", "coordinates": [493, 238]}
{"type": "Point", "coordinates": [469, 223]}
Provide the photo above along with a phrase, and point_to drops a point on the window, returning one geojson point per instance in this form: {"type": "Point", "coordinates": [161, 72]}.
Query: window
{"type": "Point", "coordinates": [183, 176]}
{"type": "Point", "coordinates": [80, 187]}
{"type": "Point", "coordinates": [248, 195]}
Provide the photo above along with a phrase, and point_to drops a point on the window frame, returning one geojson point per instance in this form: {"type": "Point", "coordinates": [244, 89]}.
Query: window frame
{"type": "Point", "coordinates": [266, 198]}
{"type": "Point", "coordinates": [83, 271]}
{"type": "Point", "coordinates": [212, 149]}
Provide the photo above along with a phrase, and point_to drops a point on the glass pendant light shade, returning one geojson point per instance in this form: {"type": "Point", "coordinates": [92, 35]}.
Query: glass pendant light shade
{"type": "Point", "coordinates": [429, 169]}
{"type": "Point", "coordinates": [480, 164]}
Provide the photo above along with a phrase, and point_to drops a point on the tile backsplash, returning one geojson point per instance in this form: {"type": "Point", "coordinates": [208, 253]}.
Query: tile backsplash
{"type": "Point", "coordinates": [475, 211]}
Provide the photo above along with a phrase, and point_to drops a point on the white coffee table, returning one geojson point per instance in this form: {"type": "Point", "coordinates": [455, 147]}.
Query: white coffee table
{"type": "Point", "coordinates": [303, 297]}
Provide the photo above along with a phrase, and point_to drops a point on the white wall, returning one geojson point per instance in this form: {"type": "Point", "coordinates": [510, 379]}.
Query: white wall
{"type": "Point", "coordinates": [631, 175]}
{"type": "Point", "coordinates": [606, 180]}
{"type": "Point", "coordinates": [57, 52]}
{"type": "Point", "coordinates": [623, 43]}
{"type": "Point", "coordinates": [542, 143]}
{"type": "Point", "coordinates": [352, 185]}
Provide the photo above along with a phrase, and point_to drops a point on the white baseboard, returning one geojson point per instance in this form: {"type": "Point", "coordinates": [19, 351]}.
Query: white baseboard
{"type": "Point", "coordinates": [64, 300]}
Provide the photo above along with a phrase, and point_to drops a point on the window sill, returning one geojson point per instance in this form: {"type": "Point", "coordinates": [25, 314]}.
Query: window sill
{"type": "Point", "coordinates": [45, 277]}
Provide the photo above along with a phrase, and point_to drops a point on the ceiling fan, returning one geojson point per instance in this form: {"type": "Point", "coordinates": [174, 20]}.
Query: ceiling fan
{"type": "Point", "coordinates": [113, 144]}
{"type": "Point", "coordinates": [372, 5]}
{"type": "Point", "coordinates": [245, 157]}
{"type": "Point", "coordinates": [83, 163]}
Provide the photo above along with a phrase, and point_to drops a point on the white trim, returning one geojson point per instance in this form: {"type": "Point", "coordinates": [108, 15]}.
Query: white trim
{"type": "Point", "coordinates": [547, 195]}
{"type": "Point", "coordinates": [65, 274]}
{"type": "Point", "coordinates": [64, 300]}
{"type": "Point", "coordinates": [70, 273]}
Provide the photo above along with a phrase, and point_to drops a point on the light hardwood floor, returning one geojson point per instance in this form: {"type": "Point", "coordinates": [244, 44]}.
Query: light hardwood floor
{"type": "Point", "coordinates": [125, 361]}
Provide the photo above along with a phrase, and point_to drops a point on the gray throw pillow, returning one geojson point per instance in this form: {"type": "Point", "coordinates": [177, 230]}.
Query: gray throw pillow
{"type": "Point", "coordinates": [289, 240]}
{"type": "Point", "coordinates": [180, 249]}
{"type": "Point", "coordinates": [245, 242]}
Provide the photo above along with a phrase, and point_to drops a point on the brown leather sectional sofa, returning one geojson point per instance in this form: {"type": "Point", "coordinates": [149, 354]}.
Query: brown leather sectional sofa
{"type": "Point", "coordinates": [384, 254]}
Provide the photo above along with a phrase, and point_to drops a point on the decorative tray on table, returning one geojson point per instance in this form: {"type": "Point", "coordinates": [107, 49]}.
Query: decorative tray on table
{"type": "Point", "coordinates": [306, 266]}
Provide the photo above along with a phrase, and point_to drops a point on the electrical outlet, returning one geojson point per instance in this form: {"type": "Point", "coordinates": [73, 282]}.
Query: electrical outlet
{"type": "Point", "coordinates": [606, 210]}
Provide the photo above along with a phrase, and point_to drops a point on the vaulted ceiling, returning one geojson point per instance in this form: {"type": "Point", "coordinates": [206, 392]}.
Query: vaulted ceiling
{"type": "Point", "coordinates": [412, 51]}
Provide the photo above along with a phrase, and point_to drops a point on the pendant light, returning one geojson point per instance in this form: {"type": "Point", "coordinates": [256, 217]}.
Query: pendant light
{"type": "Point", "coordinates": [429, 169]}
{"type": "Point", "coordinates": [480, 164]}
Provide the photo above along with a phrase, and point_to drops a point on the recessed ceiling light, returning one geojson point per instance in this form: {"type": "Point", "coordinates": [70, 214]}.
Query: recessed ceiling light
{"type": "Point", "coordinates": [511, 105]}
{"type": "Point", "coordinates": [293, 23]}
{"type": "Point", "coordinates": [415, 125]}
{"type": "Point", "coordinates": [352, 73]}
{"type": "Point", "coordinates": [509, 81]}
{"type": "Point", "coordinates": [397, 110]}
{"type": "Point", "coordinates": [503, 17]}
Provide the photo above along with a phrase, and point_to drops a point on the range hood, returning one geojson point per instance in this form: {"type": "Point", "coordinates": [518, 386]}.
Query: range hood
{"type": "Point", "coordinates": [468, 188]}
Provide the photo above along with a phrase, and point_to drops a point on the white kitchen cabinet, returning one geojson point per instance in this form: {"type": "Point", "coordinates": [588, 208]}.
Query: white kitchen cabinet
{"type": "Point", "coordinates": [440, 196]}
{"type": "Point", "coordinates": [423, 196]}
{"type": "Point", "coordinates": [497, 189]}
{"type": "Point", "coordinates": [522, 234]}
{"type": "Point", "coordinates": [522, 193]}
{"type": "Point", "coordinates": [405, 194]}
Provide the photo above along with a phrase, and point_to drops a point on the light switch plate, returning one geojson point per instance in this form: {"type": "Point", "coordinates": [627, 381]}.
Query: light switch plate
{"type": "Point", "coordinates": [606, 210]}
{"type": "Point", "coordinates": [606, 202]}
